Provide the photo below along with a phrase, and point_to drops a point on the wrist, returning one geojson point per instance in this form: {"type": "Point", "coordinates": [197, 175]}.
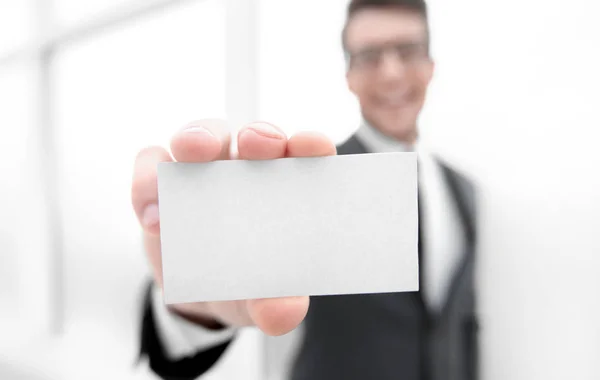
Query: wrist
{"type": "Point", "coordinates": [203, 320]}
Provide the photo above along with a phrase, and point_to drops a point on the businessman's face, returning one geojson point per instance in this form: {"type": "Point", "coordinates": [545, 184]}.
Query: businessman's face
{"type": "Point", "coordinates": [389, 68]}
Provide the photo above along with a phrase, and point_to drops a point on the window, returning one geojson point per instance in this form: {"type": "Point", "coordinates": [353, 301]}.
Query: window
{"type": "Point", "coordinates": [19, 197]}
{"type": "Point", "coordinates": [117, 92]}
{"type": "Point", "coordinates": [17, 24]}
{"type": "Point", "coordinates": [108, 79]}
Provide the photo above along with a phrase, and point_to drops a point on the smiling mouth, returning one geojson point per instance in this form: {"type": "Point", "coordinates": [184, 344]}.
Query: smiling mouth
{"type": "Point", "coordinates": [396, 99]}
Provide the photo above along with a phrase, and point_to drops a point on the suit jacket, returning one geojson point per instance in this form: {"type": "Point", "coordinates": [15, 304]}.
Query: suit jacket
{"type": "Point", "coordinates": [372, 336]}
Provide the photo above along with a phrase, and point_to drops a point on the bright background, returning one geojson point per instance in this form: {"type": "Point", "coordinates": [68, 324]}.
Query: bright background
{"type": "Point", "coordinates": [85, 84]}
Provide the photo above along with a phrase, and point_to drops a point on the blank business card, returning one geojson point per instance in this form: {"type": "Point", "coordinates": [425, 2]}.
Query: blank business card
{"type": "Point", "coordinates": [294, 226]}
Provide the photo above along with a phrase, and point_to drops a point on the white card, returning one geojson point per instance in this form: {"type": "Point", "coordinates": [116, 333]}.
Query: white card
{"type": "Point", "coordinates": [294, 226]}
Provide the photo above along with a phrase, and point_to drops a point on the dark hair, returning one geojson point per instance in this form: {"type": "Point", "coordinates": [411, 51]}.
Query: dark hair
{"type": "Point", "coordinates": [417, 6]}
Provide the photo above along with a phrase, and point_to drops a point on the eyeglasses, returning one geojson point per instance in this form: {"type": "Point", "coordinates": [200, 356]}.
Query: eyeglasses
{"type": "Point", "coordinates": [369, 58]}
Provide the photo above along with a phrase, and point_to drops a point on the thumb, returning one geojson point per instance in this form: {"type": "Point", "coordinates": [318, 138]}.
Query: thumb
{"type": "Point", "coordinates": [278, 316]}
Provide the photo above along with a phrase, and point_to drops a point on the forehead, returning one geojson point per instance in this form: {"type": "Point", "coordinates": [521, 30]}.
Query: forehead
{"type": "Point", "coordinates": [376, 26]}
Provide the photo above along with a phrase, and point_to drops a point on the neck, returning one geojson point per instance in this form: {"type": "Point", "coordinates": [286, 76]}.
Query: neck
{"type": "Point", "coordinates": [409, 139]}
{"type": "Point", "coordinates": [376, 141]}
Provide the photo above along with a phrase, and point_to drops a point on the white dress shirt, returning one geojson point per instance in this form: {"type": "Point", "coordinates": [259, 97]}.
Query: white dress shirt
{"type": "Point", "coordinates": [443, 248]}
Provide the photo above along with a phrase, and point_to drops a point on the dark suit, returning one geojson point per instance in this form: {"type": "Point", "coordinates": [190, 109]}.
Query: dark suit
{"type": "Point", "coordinates": [375, 336]}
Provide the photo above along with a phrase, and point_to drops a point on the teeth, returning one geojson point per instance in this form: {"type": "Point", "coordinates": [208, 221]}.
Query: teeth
{"type": "Point", "coordinates": [394, 101]}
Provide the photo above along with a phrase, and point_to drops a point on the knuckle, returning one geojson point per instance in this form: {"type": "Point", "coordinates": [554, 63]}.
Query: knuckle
{"type": "Point", "coordinates": [142, 184]}
{"type": "Point", "coordinates": [144, 152]}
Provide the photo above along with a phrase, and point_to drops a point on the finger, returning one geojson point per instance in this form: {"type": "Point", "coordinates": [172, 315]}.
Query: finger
{"type": "Point", "coordinates": [202, 141]}
{"type": "Point", "coordinates": [310, 144]}
{"type": "Point", "coordinates": [144, 188]}
{"type": "Point", "coordinates": [278, 316]}
{"type": "Point", "coordinates": [261, 141]}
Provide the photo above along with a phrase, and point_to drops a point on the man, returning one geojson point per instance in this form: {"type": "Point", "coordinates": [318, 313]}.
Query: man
{"type": "Point", "coordinates": [431, 334]}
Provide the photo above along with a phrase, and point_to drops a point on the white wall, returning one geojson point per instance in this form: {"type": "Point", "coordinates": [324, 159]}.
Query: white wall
{"type": "Point", "coordinates": [515, 104]}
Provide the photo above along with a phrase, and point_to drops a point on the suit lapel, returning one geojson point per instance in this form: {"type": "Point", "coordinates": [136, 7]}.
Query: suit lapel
{"type": "Point", "coordinates": [462, 193]}
{"type": "Point", "coordinates": [352, 146]}
{"type": "Point", "coordinates": [462, 196]}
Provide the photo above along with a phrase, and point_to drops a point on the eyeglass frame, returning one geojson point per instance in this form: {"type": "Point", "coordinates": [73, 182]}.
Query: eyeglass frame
{"type": "Point", "coordinates": [409, 52]}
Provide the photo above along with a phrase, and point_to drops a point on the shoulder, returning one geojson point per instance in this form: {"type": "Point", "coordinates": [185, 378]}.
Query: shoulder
{"type": "Point", "coordinates": [351, 146]}
{"type": "Point", "coordinates": [458, 177]}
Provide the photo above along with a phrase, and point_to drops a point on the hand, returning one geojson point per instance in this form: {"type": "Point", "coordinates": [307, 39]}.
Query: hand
{"type": "Point", "coordinates": [208, 140]}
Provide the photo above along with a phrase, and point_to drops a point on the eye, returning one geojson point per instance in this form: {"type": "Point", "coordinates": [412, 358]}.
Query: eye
{"type": "Point", "coordinates": [410, 51]}
{"type": "Point", "coordinates": [367, 57]}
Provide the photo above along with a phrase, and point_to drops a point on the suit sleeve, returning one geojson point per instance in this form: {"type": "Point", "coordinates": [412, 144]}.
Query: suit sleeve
{"type": "Point", "coordinates": [160, 362]}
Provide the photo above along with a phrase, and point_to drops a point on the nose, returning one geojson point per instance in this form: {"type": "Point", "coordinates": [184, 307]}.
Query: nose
{"type": "Point", "coordinates": [391, 67]}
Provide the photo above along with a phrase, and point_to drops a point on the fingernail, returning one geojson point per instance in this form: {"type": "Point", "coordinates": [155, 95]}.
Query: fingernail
{"type": "Point", "coordinates": [195, 129]}
{"type": "Point", "coordinates": [266, 130]}
{"type": "Point", "coordinates": [150, 216]}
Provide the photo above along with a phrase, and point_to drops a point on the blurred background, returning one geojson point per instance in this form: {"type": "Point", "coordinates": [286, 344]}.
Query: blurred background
{"type": "Point", "coordinates": [85, 84]}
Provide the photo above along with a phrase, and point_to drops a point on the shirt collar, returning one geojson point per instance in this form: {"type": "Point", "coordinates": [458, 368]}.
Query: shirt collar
{"type": "Point", "coordinates": [377, 142]}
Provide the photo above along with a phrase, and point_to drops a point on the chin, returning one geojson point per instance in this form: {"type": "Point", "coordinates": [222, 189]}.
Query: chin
{"type": "Point", "coordinates": [400, 130]}
{"type": "Point", "coordinates": [398, 124]}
